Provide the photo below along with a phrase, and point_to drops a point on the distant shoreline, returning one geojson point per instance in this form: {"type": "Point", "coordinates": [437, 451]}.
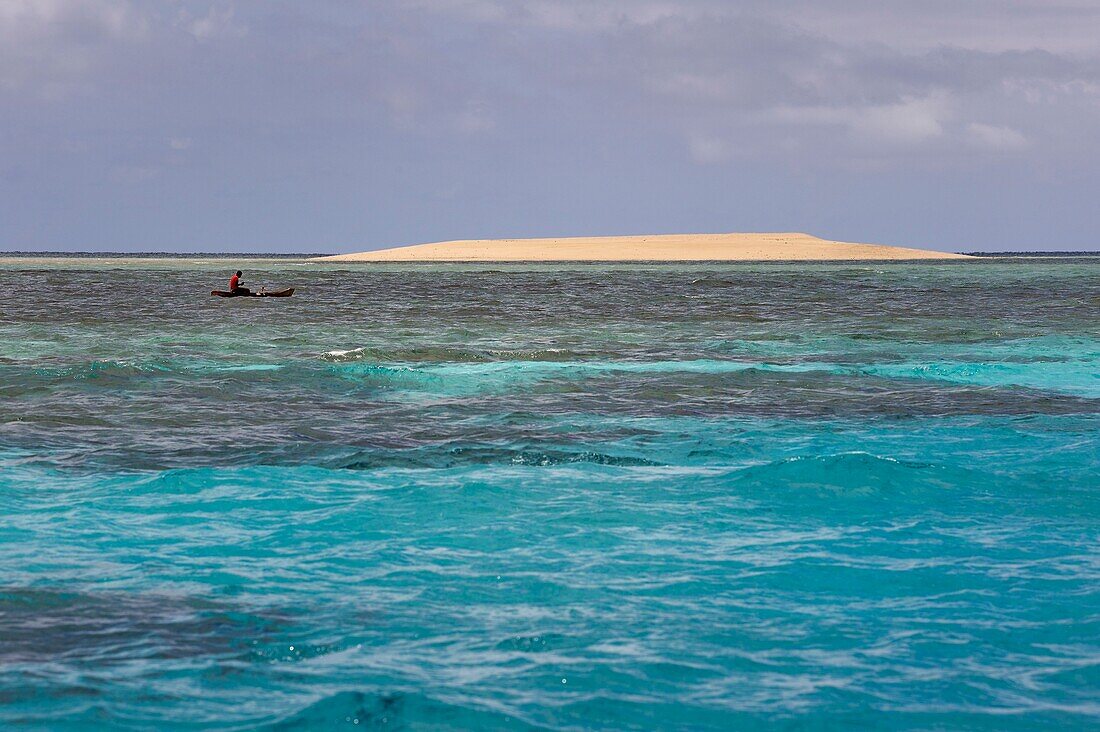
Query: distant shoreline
{"type": "Point", "coordinates": [160, 255]}
{"type": "Point", "coordinates": [1033, 254]}
{"type": "Point", "coordinates": [1037, 254]}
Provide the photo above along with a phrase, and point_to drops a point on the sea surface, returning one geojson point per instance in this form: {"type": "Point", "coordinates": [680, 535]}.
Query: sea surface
{"type": "Point", "coordinates": [750, 496]}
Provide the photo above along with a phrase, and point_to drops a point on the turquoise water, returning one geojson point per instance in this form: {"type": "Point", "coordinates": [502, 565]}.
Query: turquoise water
{"type": "Point", "coordinates": [522, 497]}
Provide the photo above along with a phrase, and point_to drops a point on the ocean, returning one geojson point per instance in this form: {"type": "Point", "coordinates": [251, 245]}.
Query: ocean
{"type": "Point", "coordinates": [632, 497]}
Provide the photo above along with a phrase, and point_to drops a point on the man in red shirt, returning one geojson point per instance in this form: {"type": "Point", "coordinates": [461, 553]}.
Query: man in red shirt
{"type": "Point", "coordinates": [235, 285]}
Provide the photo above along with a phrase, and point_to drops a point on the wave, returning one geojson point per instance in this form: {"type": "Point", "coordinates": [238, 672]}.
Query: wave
{"type": "Point", "coordinates": [456, 371]}
{"type": "Point", "coordinates": [928, 343]}
{"type": "Point", "coordinates": [457, 456]}
{"type": "Point", "coordinates": [445, 354]}
{"type": "Point", "coordinates": [505, 371]}
{"type": "Point", "coordinates": [395, 710]}
{"type": "Point", "coordinates": [1044, 450]}
{"type": "Point", "coordinates": [855, 474]}
{"type": "Point", "coordinates": [123, 369]}
{"type": "Point", "coordinates": [413, 355]}
{"type": "Point", "coordinates": [1080, 378]}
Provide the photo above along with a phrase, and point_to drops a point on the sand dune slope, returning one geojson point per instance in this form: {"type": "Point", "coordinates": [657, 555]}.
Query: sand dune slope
{"type": "Point", "coordinates": [662, 248]}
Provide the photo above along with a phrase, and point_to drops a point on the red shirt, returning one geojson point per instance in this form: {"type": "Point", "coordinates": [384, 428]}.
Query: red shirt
{"type": "Point", "coordinates": [233, 282]}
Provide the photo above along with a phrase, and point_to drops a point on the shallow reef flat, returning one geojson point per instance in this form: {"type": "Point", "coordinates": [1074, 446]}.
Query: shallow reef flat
{"type": "Point", "coordinates": [716, 496]}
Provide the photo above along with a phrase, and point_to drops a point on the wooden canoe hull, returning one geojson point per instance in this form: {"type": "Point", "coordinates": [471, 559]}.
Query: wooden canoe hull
{"type": "Point", "coordinates": [277, 293]}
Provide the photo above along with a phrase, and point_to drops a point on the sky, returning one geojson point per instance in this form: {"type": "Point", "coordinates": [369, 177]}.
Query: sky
{"type": "Point", "coordinates": [348, 125]}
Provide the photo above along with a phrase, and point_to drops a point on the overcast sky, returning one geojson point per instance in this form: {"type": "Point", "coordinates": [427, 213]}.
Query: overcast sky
{"type": "Point", "coordinates": [344, 125]}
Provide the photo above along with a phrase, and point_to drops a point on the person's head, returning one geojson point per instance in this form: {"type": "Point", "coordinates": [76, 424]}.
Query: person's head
{"type": "Point", "coordinates": [238, 273]}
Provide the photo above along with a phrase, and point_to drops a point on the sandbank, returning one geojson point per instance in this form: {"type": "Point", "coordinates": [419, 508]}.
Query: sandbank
{"type": "Point", "coordinates": [659, 248]}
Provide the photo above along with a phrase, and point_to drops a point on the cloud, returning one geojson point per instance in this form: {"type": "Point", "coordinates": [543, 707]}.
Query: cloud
{"type": "Point", "coordinates": [769, 89]}
{"type": "Point", "coordinates": [704, 75]}
{"type": "Point", "coordinates": [586, 17]}
{"type": "Point", "coordinates": [999, 138]}
{"type": "Point", "coordinates": [50, 46]}
{"type": "Point", "coordinates": [908, 122]}
{"type": "Point", "coordinates": [217, 22]}
{"type": "Point", "coordinates": [990, 25]}
{"type": "Point", "coordinates": [410, 96]}
{"type": "Point", "coordinates": [709, 150]}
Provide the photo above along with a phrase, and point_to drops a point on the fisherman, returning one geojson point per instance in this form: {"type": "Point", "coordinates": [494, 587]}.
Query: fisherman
{"type": "Point", "coordinates": [235, 285]}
